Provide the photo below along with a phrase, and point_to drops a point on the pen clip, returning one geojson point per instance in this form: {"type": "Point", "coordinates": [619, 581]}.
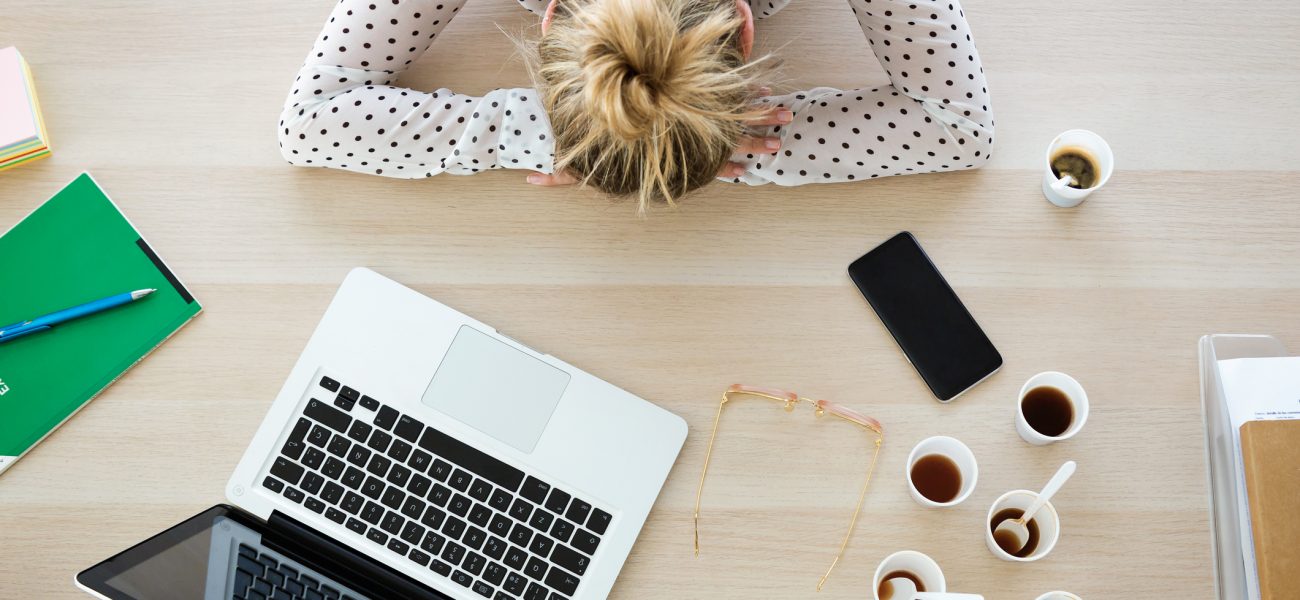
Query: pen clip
{"type": "Point", "coordinates": [14, 336]}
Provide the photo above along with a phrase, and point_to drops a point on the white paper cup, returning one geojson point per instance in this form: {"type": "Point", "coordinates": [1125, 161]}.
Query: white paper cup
{"type": "Point", "coordinates": [1058, 596]}
{"type": "Point", "coordinates": [918, 564]}
{"type": "Point", "coordinates": [1065, 196]}
{"type": "Point", "coordinates": [1072, 389]}
{"type": "Point", "coordinates": [953, 449]}
{"type": "Point", "coordinates": [1049, 525]}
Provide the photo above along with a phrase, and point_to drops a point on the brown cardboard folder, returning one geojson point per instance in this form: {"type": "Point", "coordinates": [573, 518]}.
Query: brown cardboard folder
{"type": "Point", "coordinates": [1270, 452]}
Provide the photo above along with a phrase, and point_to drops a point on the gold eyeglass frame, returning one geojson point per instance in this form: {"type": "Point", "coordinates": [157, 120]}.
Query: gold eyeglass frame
{"type": "Point", "coordinates": [790, 399]}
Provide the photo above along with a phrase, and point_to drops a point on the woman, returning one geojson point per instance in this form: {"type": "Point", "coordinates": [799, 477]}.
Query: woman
{"type": "Point", "coordinates": [648, 99]}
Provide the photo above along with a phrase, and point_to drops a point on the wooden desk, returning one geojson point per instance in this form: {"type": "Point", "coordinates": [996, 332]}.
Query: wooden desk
{"type": "Point", "coordinates": [171, 105]}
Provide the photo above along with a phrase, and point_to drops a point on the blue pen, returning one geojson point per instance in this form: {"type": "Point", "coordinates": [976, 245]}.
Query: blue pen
{"type": "Point", "coordinates": [46, 322]}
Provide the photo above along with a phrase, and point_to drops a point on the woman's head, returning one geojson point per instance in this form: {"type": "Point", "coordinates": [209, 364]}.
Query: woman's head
{"type": "Point", "coordinates": [647, 98]}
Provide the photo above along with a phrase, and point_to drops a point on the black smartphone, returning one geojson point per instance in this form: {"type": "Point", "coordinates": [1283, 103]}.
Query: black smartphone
{"type": "Point", "coordinates": [925, 316]}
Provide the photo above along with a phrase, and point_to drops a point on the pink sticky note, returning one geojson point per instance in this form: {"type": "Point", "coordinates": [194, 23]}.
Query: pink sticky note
{"type": "Point", "coordinates": [17, 117]}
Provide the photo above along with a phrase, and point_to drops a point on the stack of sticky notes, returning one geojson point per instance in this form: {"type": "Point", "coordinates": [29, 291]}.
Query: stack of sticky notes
{"type": "Point", "coordinates": [22, 130]}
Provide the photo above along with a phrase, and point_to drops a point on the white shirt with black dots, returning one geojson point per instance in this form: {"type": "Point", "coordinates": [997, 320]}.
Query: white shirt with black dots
{"type": "Point", "coordinates": [344, 112]}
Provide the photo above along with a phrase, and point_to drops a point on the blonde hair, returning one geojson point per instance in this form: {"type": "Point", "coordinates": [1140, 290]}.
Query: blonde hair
{"type": "Point", "coordinates": [647, 98]}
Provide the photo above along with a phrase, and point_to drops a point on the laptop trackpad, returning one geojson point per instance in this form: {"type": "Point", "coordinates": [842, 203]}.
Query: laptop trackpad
{"type": "Point", "coordinates": [494, 388]}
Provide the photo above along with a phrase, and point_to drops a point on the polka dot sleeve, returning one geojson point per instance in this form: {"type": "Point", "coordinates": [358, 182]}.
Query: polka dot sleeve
{"type": "Point", "coordinates": [934, 117]}
{"type": "Point", "coordinates": [344, 111]}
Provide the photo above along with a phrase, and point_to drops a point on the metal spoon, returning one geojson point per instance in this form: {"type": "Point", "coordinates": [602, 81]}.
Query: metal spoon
{"type": "Point", "coordinates": [1015, 531]}
{"type": "Point", "coordinates": [905, 589]}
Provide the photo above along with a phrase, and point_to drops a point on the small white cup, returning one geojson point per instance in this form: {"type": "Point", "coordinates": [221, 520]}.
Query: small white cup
{"type": "Point", "coordinates": [1049, 525]}
{"type": "Point", "coordinates": [918, 564]}
{"type": "Point", "coordinates": [953, 449]}
{"type": "Point", "coordinates": [1058, 596]}
{"type": "Point", "coordinates": [1072, 389]}
{"type": "Point", "coordinates": [1065, 196]}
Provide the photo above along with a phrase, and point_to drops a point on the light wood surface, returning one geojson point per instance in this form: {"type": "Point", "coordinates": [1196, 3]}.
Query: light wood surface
{"type": "Point", "coordinates": [171, 105]}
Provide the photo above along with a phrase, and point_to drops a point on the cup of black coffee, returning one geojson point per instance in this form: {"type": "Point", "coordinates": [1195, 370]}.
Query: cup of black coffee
{"type": "Point", "coordinates": [941, 472]}
{"type": "Point", "coordinates": [1079, 162]}
{"type": "Point", "coordinates": [1052, 408]}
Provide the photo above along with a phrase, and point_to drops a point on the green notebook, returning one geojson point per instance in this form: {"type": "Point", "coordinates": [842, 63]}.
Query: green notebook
{"type": "Point", "coordinates": [75, 248]}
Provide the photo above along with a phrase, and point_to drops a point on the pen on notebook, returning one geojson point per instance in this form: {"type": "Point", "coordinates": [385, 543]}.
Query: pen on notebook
{"type": "Point", "coordinates": [46, 322]}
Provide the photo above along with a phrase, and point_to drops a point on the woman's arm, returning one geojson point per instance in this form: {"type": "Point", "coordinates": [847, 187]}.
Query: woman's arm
{"type": "Point", "coordinates": [344, 113]}
{"type": "Point", "coordinates": [934, 117]}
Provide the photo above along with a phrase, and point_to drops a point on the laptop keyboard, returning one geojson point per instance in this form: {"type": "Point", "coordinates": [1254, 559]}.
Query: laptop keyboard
{"type": "Point", "coordinates": [434, 500]}
{"type": "Point", "coordinates": [259, 576]}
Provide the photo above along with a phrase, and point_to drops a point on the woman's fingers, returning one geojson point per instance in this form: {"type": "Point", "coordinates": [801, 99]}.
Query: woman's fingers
{"type": "Point", "coordinates": [731, 170]}
{"type": "Point", "coordinates": [758, 145]}
{"type": "Point", "coordinates": [776, 115]}
{"type": "Point", "coordinates": [552, 179]}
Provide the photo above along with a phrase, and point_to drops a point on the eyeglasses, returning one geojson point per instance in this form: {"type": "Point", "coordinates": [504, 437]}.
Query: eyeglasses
{"type": "Point", "coordinates": [790, 399]}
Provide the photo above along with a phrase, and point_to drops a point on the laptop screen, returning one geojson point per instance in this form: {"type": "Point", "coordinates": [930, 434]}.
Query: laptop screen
{"type": "Point", "coordinates": [219, 554]}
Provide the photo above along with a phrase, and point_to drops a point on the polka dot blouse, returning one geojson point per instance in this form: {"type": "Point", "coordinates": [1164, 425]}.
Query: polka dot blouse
{"type": "Point", "coordinates": [345, 112]}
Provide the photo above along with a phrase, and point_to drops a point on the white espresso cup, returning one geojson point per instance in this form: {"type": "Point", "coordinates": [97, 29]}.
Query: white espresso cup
{"type": "Point", "coordinates": [919, 565]}
{"type": "Point", "coordinates": [1058, 596]}
{"type": "Point", "coordinates": [1090, 143]}
{"type": "Point", "coordinates": [1073, 391]}
{"type": "Point", "coordinates": [1048, 522]}
{"type": "Point", "coordinates": [958, 453]}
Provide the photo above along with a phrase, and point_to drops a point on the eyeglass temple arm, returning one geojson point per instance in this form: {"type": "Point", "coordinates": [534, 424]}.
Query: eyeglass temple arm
{"type": "Point", "coordinates": [853, 522]}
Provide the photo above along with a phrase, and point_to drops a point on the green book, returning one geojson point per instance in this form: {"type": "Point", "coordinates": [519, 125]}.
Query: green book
{"type": "Point", "coordinates": [75, 248]}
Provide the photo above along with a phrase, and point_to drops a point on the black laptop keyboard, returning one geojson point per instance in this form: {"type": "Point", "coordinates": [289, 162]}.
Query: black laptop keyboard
{"type": "Point", "coordinates": [259, 576]}
{"type": "Point", "coordinates": [434, 500]}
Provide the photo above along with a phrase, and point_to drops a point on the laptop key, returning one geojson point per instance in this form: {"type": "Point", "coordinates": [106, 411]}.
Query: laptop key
{"type": "Point", "coordinates": [585, 541]}
{"type": "Point", "coordinates": [344, 402]}
{"type": "Point", "coordinates": [440, 470]}
{"type": "Point", "coordinates": [379, 441]}
{"type": "Point", "coordinates": [535, 490]}
{"type": "Point", "coordinates": [335, 515]}
{"type": "Point", "coordinates": [353, 478]}
{"type": "Point", "coordinates": [453, 527]}
{"type": "Point", "coordinates": [558, 501]}
{"type": "Point", "coordinates": [313, 458]}
{"type": "Point", "coordinates": [420, 461]}
{"type": "Point", "coordinates": [398, 546]}
{"type": "Point", "coordinates": [294, 445]}
{"type": "Point", "coordinates": [379, 465]}
{"type": "Point", "coordinates": [408, 429]}
{"type": "Point", "coordinates": [419, 558]}
{"type": "Point", "coordinates": [419, 485]}
{"type": "Point", "coordinates": [471, 458]}
{"type": "Point", "coordinates": [359, 431]}
{"type": "Point", "coordinates": [372, 513]}
{"type": "Point", "coordinates": [332, 493]}
{"type": "Point", "coordinates": [294, 494]}
{"type": "Point", "coordinates": [413, 507]}
{"type": "Point", "coordinates": [329, 384]}
{"type": "Point", "coordinates": [462, 578]}
{"type": "Point", "coordinates": [500, 500]}
{"type": "Point", "coordinates": [353, 502]}
{"type": "Point", "coordinates": [578, 511]}
{"type": "Point", "coordinates": [562, 582]}
{"type": "Point", "coordinates": [328, 415]}
{"type": "Point", "coordinates": [369, 403]}
{"type": "Point", "coordinates": [480, 490]}
{"type": "Point", "coordinates": [377, 536]}
{"type": "Point", "coordinates": [459, 505]}
{"type": "Point", "coordinates": [460, 480]}
{"type": "Point", "coordinates": [480, 515]}
{"type": "Point", "coordinates": [356, 526]}
{"type": "Point", "coordinates": [319, 436]}
{"type": "Point", "coordinates": [501, 595]}
{"type": "Point", "coordinates": [359, 455]}
{"type": "Point", "coordinates": [515, 583]}
{"type": "Point", "coordinates": [287, 470]}
{"type": "Point", "coordinates": [311, 483]}
{"type": "Point", "coordinates": [349, 393]}
{"type": "Point", "coordinates": [433, 517]}
{"type": "Point", "coordinates": [453, 552]}
{"type": "Point", "coordinates": [386, 418]}
{"type": "Point", "coordinates": [500, 525]}
{"type": "Point", "coordinates": [516, 558]}
{"type": "Point", "coordinates": [433, 542]}
{"type": "Point", "coordinates": [252, 566]}
{"type": "Point", "coordinates": [314, 505]}
{"type": "Point", "coordinates": [494, 573]}
{"type": "Point", "coordinates": [562, 530]}
{"type": "Point", "coordinates": [541, 545]}
{"type": "Point", "coordinates": [521, 509]}
{"type": "Point", "coordinates": [521, 534]}
{"type": "Point", "coordinates": [474, 538]}
{"type": "Point", "coordinates": [339, 446]}
{"type": "Point", "coordinates": [483, 589]}
{"type": "Point", "coordinates": [541, 519]}
{"type": "Point", "coordinates": [440, 494]}
{"type": "Point", "coordinates": [392, 523]}
{"type": "Point", "coordinates": [399, 450]}
{"type": "Point", "coordinates": [535, 591]}
{"type": "Point", "coordinates": [439, 567]}
{"type": "Point", "coordinates": [573, 561]}
{"type": "Point", "coordinates": [273, 484]}
{"type": "Point", "coordinates": [495, 548]}
{"type": "Point", "coordinates": [412, 533]}
{"type": "Point", "coordinates": [599, 521]}
{"type": "Point", "coordinates": [373, 488]}
{"type": "Point", "coordinates": [399, 475]}
{"type": "Point", "coordinates": [474, 563]}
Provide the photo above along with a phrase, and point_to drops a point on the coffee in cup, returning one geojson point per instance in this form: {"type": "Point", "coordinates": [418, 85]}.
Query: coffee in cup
{"type": "Point", "coordinates": [911, 566]}
{"type": "Point", "coordinates": [941, 472]}
{"type": "Point", "coordinates": [1078, 163]}
{"type": "Point", "coordinates": [1052, 407]}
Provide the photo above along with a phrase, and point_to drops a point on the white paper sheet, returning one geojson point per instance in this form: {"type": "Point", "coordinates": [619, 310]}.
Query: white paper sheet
{"type": "Point", "coordinates": [1256, 389]}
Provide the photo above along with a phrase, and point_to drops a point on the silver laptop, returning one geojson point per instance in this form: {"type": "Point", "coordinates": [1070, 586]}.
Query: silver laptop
{"type": "Point", "coordinates": [416, 438]}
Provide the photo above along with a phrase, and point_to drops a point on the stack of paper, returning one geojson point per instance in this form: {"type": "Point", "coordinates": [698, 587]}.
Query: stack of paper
{"type": "Point", "coordinates": [22, 130]}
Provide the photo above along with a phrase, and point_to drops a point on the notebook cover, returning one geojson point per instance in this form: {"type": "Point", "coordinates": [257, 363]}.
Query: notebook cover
{"type": "Point", "coordinates": [18, 123]}
{"type": "Point", "coordinates": [74, 248]}
{"type": "Point", "coordinates": [1270, 452]}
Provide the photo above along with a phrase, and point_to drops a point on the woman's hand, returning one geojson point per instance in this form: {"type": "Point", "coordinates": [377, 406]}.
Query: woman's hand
{"type": "Point", "coordinates": [731, 170]}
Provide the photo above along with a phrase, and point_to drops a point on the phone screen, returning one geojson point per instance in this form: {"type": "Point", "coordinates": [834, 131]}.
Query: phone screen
{"type": "Point", "coordinates": [926, 318]}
